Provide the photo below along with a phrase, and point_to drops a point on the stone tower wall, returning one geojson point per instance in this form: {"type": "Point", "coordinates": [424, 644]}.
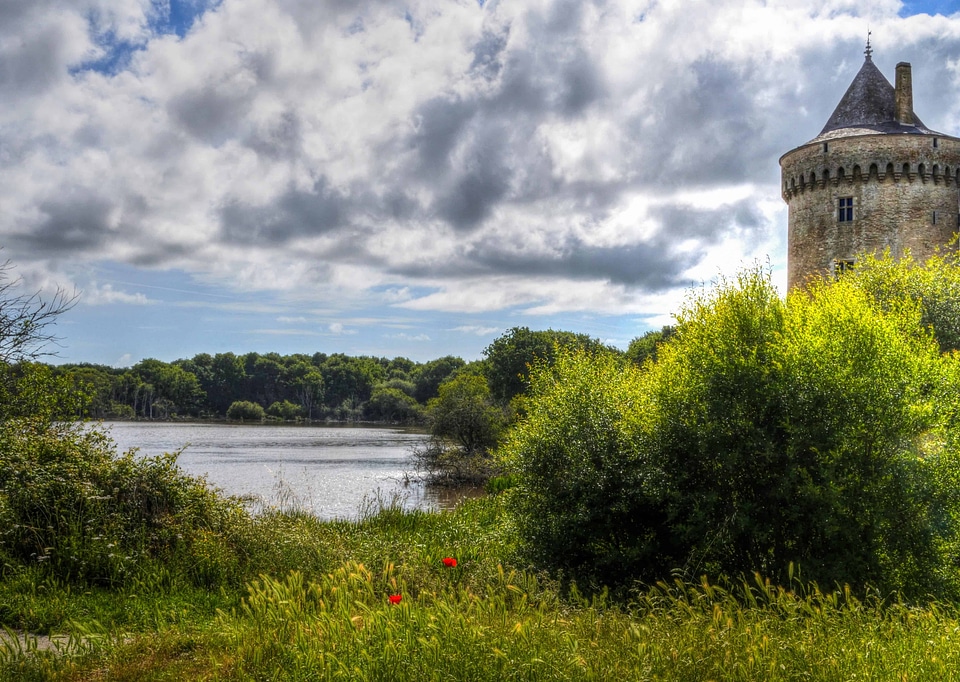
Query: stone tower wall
{"type": "Point", "coordinates": [904, 190]}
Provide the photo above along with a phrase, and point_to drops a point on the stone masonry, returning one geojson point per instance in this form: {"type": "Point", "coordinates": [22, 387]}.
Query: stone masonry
{"type": "Point", "coordinates": [874, 178]}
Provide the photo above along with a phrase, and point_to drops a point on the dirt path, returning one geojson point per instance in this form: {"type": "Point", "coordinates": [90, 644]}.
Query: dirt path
{"type": "Point", "coordinates": [18, 641]}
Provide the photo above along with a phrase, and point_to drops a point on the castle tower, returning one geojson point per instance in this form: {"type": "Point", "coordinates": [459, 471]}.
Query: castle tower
{"type": "Point", "coordinates": [875, 177]}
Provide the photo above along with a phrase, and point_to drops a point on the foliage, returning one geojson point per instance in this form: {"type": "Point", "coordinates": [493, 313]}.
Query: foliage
{"type": "Point", "coordinates": [30, 389]}
{"type": "Point", "coordinates": [169, 385]}
{"type": "Point", "coordinates": [464, 412]}
{"type": "Point", "coordinates": [350, 379]}
{"type": "Point", "coordinates": [244, 410]}
{"type": "Point", "coordinates": [392, 405]}
{"type": "Point", "coordinates": [440, 464]}
{"type": "Point", "coordinates": [432, 374]}
{"type": "Point", "coordinates": [766, 433]}
{"type": "Point", "coordinates": [510, 357]}
{"type": "Point", "coordinates": [324, 387]}
{"type": "Point", "coordinates": [645, 347]}
{"type": "Point", "coordinates": [581, 497]}
{"type": "Point", "coordinates": [933, 285]}
{"type": "Point", "coordinates": [403, 385]}
{"type": "Point", "coordinates": [331, 618]}
{"type": "Point", "coordinates": [285, 410]}
{"type": "Point", "coordinates": [73, 510]}
{"type": "Point", "coordinates": [465, 425]}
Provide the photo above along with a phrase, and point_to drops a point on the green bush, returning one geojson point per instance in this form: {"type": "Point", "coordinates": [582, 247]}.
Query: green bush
{"type": "Point", "coordinates": [812, 431]}
{"type": "Point", "coordinates": [933, 285]}
{"type": "Point", "coordinates": [245, 411]}
{"type": "Point", "coordinates": [392, 405]}
{"type": "Point", "coordinates": [285, 410]}
{"type": "Point", "coordinates": [70, 506]}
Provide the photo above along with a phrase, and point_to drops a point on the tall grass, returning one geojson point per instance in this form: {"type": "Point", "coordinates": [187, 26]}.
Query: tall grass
{"type": "Point", "coordinates": [195, 588]}
{"type": "Point", "coordinates": [329, 617]}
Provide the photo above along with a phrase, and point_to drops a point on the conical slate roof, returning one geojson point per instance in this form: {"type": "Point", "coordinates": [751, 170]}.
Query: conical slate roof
{"type": "Point", "coordinates": [869, 107]}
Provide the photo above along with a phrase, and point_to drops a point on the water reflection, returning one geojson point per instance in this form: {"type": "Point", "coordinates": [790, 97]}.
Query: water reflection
{"type": "Point", "coordinates": [326, 470]}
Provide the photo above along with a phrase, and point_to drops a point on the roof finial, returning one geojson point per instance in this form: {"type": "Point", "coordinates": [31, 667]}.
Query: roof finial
{"type": "Point", "coordinates": [869, 50]}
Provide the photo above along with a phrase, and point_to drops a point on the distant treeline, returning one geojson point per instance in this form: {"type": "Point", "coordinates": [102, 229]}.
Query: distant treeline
{"type": "Point", "coordinates": [307, 387]}
{"type": "Point", "coordinates": [287, 387]}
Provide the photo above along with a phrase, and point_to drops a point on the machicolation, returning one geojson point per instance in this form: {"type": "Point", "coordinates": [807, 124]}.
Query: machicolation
{"type": "Point", "coordinates": [874, 178]}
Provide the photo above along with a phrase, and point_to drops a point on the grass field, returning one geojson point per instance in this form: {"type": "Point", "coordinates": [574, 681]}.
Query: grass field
{"type": "Point", "coordinates": [319, 608]}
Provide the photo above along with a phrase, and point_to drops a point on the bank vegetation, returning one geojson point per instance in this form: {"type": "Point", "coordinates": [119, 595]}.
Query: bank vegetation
{"type": "Point", "coordinates": [767, 490]}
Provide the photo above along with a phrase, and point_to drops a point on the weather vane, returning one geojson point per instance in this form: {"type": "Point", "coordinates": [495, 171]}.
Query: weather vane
{"type": "Point", "coordinates": [869, 50]}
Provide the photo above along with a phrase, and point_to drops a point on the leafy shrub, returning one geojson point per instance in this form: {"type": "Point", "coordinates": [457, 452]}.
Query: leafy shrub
{"type": "Point", "coordinates": [245, 411]}
{"type": "Point", "coordinates": [933, 285]}
{"type": "Point", "coordinates": [392, 405]}
{"type": "Point", "coordinates": [284, 410]}
{"type": "Point", "coordinates": [69, 504]}
{"type": "Point", "coordinates": [766, 433]}
{"type": "Point", "coordinates": [439, 463]}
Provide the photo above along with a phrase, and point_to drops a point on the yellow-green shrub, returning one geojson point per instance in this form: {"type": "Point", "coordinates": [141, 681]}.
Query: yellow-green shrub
{"type": "Point", "coordinates": [767, 432]}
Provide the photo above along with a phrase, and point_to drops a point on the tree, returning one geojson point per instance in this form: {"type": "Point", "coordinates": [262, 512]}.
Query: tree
{"type": "Point", "coordinates": [645, 347]}
{"type": "Point", "coordinates": [264, 374]}
{"type": "Point", "coordinates": [465, 424]}
{"type": "Point", "coordinates": [225, 381]}
{"type": "Point", "coordinates": [431, 374]}
{"type": "Point", "coordinates": [400, 368]}
{"type": "Point", "coordinates": [179, 389]}
{"type": "Point", "coordinates": [510, 357]}
{"type": "Point", "coordinates": [350, 380]}
{"type": "Point", "coordinates": [25, 318]}
{"type": "Point", "coordinates": [934, 285]}
{"type": "Point", "coordinates": [97, 383]}
{"type": "Point", "coordinates": [814, 431]}
{"type": "Point", "coordinates": [306, 382]}
{"type": "Point", "coordinates": [465, 413]}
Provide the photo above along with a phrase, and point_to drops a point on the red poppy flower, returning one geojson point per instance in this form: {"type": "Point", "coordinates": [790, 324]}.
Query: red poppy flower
{"type": "Point", "coordinates": [450, 562]}
{"type": "Point", "coordinates": [395, 598]}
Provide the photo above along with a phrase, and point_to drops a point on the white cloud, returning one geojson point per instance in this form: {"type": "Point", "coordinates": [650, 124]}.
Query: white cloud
{"type": "Point", "coordinates": [544, 156]}
{"type": "Point", "coordinates": [476, 329]}
{"type": "Point", "coordinates": [408, 337]}
{"type": "Point", "coordinates": [338, 329]}
{"type": "Point", "coordinates": [106, 295]}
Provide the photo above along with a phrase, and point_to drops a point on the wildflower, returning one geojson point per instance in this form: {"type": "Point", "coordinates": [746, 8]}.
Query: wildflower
{"type": "Point", "coordinates": [395, 598]}
{"type": "Point", "coordinates": [449, 562]}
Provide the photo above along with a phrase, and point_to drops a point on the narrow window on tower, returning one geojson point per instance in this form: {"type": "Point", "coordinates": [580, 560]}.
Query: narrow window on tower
{"type": "Point", "coordinates": [842, 265]}
{"type": "Point", "coordinates": [826, 147]}
{"type": "Point", "coordinates": [935, 145]}
{"type": "Point", "coordinates": [934, 217]}
{"type": "Point", "coordinates": [845, 210]}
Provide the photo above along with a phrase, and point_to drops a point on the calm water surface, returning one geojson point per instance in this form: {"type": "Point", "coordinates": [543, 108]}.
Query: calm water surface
{"type": "Point", "coordinates": [327, 470]}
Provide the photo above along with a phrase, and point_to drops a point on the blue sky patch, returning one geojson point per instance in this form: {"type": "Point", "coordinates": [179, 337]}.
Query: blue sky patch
{"type": "Point", "coordinates": [168, 17]}
{"type": "Point", "coordinates": [931, 7]}
{"type": "Point", "coordinates": [180, 16]}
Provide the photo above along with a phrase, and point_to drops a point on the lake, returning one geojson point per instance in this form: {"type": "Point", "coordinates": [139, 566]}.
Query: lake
{"type": "Point", "coordinates": [326, 470]}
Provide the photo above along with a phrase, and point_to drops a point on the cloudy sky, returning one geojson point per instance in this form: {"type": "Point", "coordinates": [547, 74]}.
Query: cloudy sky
{"type": "Point", "coordinates": [414, 178]}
